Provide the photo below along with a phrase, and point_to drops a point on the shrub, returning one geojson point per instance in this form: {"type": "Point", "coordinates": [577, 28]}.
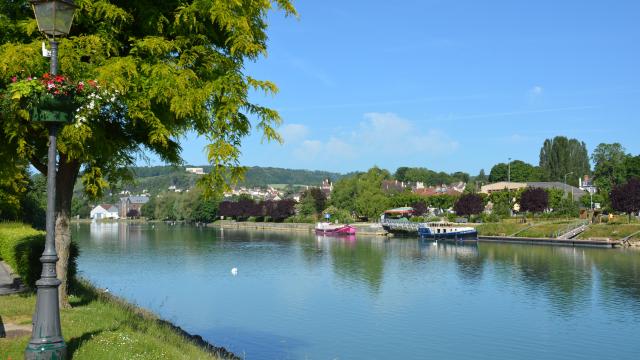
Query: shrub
{"type": "Point", "coordinates": [490, 218]}
{"type": "Point", "coordinates": [21, 247]}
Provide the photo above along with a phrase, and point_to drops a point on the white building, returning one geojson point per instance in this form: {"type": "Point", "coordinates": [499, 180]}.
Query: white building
{"type": "Point", "coordinates": [195, 170]}
{"type": "Point", "coordinates": [105, 211]}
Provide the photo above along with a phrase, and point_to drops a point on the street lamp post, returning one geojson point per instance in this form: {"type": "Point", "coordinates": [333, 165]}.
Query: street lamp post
{"type": "Point", "coordinates": [509, 186]}
{"type": "Point", "coordinates": [54, 18]}
{"type": "Point", "coordinates": [565, 184]}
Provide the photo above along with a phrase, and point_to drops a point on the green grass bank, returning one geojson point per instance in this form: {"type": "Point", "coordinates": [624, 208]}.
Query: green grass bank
{"type": "Point", "coordinates": [98, 325]}
{"type": "Point", "coordinates": [101, 326]}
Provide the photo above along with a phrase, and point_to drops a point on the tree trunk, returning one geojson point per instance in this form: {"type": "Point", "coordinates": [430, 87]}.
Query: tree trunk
{"type": "Point", "coordinates": [65, 180]}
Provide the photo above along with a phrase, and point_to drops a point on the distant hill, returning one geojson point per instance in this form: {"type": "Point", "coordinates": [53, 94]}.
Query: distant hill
{"type": "Point", "coordinates": [159, 178]}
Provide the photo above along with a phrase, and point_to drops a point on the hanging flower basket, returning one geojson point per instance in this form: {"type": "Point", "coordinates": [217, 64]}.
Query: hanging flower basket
{"type": "Point", "coordinates": [50, 108]}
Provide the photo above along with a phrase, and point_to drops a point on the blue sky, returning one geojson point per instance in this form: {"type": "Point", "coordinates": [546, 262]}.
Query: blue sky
{"type": "Point", "coordinates": [448, 85]}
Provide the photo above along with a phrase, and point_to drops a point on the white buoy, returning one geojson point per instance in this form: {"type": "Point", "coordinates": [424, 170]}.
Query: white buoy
{"type": "Point", "coordinates": [234, 271]}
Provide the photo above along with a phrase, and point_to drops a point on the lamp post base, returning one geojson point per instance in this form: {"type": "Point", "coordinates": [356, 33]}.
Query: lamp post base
{"type": "Point", "coordinates": [49, 351]}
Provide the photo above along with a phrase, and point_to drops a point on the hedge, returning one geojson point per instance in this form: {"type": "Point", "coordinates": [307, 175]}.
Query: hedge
{"type": "Point", "coordinates": [21, 247]}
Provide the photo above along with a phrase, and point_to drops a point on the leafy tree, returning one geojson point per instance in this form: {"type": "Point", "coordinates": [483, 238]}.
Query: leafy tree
{"type": "Point", "coordinates": [482, 177]}
{"type": "Point", "coordinates": [461, 176]}
{"type": "Point", "coordinates": [361, 193]}
{"type": "Point", "coordinates": [520, 172]}
{"type": "Point", "coordinates": [555, 198]}
{"type": "Point", "coordinates": [341, 215]}
{"type": "Point", "coordinates": [344, 193]}
{"type": "Point", "coordinates": [442, 202]}
{"type": "Point", "coordinates": [608, 160]}
{"type": "Point", "coordinates": [371, 200]}
{"type": "Point", "coordinates": [534, 200]}
{"type": "Point", "coordinates": [280, 210]}
{"type": "Point", "coordinates": [312, 202]}
{"type": "Point", "coordinates": [626, 197]}
{"type": "Point", "coordinates": [469, 204]}
{"type": "Point", "coordinates": [419, 208]}
{"type": "Point", "coordinates": [586, 200]}
{"type": "Point", "coordinates": [401, 173]}
{"type": "Point", "coordinates": [560, 156]}
{"type": "Point", "coordinates": [206, 210]}
{"type": "Point", "coordinates": [170, 67]}
{"type": "Point", "coordinates": [632, 166]}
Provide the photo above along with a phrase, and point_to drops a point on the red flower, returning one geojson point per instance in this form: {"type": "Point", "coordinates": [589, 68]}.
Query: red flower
{"type": "Point", "coordinates": [59, 78]}
{"type": "Point", "coordinates": [14, 79]}
{"type": "Point", "coordinates": [45, 76]}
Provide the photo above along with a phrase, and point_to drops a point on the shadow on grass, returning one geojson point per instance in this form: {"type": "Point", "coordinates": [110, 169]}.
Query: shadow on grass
{"type": "Point", "coordinates": [2, 332]}
{"type": "Point", "coordinates": [85, 293]}
{"type": "Point", "coordinates": [75, 343]}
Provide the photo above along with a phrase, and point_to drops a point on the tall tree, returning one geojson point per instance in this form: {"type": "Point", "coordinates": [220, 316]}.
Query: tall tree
{"type": "Point", "coordinates": [632, 167]}
{"type": "Point", "coordinates": [560, 156]}
{"type": "Point", "coordinates": [626, 197]}
{"type": "Point", "coordinates": [164, 68]}
{"type": "Point", "coordinates": [609, 170]}
{"type": "Point", "coordinates": [534, 200]}
{"type": "Point", "coordinates": [469, 204]}
{"type": "Point", "coordinates": [520, 172]}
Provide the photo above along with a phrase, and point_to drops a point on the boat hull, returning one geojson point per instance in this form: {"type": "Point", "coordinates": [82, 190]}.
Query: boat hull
{"type": "Point", "coordinates": [455, 236]}
{"type": "Point", "coordinates": [339, 231]}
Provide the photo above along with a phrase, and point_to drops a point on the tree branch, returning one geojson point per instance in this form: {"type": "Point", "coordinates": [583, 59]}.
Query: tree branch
{"type": "Point", "coordinates": [38, 165]}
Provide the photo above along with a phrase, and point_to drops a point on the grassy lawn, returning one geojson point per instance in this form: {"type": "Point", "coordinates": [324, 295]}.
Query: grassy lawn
{"type": "Point", "coordinates": [531, 229]}
{"type": "Point", "coordinates": [612, 231]}
{"type": "Point", "coordinates": [102, 327]}
{"type": "Point", "coordinates": [500, 229]}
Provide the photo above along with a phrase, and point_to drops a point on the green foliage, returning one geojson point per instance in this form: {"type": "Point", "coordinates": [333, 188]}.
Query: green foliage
{"type": "Point", "coordinates": [568, 208]}
{"type": "Point", "coordinates": [21, 247]}
{"type": "Point", "coordinates": [586, 200]}
{"type": "Point", "coordinates": [362, 193]}
{"type": "Point", "coordinates": [98, 325]}
{"type": "Point", "coordinates": [555, 198]}
{"type": "Point", "coordinates": [312, 202]}
{"type": "Point", "coordinates": [632, 167]}
{"type": "Point", "coordinates": [520, 172]}
{"type": "Point", "coordinates": [341, 215]}
{"type": "Point", "coordinates": [175, 67]}
{"type": "Point", "coordinates": [429, 177]}
{"type": "Point", "coordinates": [560, 156]}
{"type": "Point", "coordinates": [609, 170]}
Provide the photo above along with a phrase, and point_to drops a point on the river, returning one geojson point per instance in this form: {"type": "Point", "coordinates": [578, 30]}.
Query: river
{"type": "Point", "coordinates": [297, 296]}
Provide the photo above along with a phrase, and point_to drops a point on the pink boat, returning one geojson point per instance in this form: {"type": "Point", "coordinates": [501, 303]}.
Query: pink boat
{"type": "Point", "coordinates": [331, 229]}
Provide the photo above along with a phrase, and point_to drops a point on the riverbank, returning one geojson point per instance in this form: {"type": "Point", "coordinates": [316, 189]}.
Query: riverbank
{"type": "Point", "coordinates": [102, 326]}
{"type": "Point", "coordinates": [367, 229]}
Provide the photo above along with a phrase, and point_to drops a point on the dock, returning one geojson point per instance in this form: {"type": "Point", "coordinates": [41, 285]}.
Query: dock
{"type": "Point", "coordinates": [551, 241]}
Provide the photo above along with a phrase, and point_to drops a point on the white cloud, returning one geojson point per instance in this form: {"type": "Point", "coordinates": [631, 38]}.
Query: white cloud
{"type": "Point", "coordinates": [376, 139]}
{"type": "Point", "coordinates": [294, 133]}
{"type": "Point", "coordinates": [391, 133]}
{"type": "Point", "coordinates": [536, 90]}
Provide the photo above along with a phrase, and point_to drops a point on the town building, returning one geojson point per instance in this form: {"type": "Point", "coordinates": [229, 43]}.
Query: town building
{"type": "Point", "coordinates": [586, 184]}
{"type": "Point", "coordinates": [131, 206]}
{"type": "Point", "coordinates": [195, 170]}
{"type": "Point", "coordinates": [104, 211]}
{"type": "Point", "coordinates": [572, 191]}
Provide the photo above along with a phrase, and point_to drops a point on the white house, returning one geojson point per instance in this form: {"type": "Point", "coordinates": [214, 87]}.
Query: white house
{"type": "Point", "coordinates": [105, 211]}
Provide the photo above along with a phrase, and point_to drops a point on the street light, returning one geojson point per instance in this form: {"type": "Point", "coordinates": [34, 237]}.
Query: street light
{"type": "Point", "coordinates": [565, 184]}
{"type": "Point", "coordinates": [54, 18]}
{"type": "Point", "coordinates": [509, 172]}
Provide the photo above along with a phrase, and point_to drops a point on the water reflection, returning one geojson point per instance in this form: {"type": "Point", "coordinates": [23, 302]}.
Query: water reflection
{"type": "Point", "coordinates": [300, 295]}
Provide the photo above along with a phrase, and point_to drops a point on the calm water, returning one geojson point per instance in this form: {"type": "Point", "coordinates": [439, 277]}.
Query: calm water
{"type": "Point", "coordinates": [301, 297]}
